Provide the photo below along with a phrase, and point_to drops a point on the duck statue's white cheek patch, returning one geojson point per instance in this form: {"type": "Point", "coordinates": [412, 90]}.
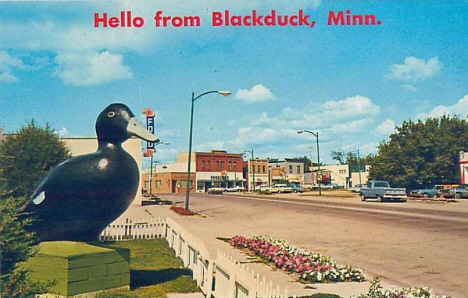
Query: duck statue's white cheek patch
{"type": "Point", "coordinates": [102, 164]}
{"type": "Point", "coordinates": [39, 198]}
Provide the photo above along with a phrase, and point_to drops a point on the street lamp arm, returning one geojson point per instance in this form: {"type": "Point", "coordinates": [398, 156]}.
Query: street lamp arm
{"type": "Point", "coordinates": [308, 131]}
{"type": "Point", "coordinates": [224, 93]}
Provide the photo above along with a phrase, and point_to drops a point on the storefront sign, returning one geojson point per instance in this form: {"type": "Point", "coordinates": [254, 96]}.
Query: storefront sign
{"type": "Point", "coordinates": [149, 126]}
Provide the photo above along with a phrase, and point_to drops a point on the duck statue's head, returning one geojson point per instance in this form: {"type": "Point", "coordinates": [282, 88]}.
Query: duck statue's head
{"type": "Point", "coordinates": [116, 123]}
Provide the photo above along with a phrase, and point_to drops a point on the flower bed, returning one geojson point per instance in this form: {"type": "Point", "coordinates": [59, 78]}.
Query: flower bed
{"type": "Point", "coordinates": [310, 267]}
{"type": "Point", "coordinates": [377, 291]}
{"type": "Point", "coordinates": [182, 211]}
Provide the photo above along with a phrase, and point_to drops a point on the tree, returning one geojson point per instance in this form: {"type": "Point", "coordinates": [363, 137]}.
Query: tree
{"type": "Point", "coordinates": [16, 246]}
{"type": "Point", "coordinates": [26, 157]}
{"type": "Point", "coordinates": [339, 156]}
{"type": "Point", "coordinates": [351, 158]}
{"type": "Point", "coordinates": [422, 153]}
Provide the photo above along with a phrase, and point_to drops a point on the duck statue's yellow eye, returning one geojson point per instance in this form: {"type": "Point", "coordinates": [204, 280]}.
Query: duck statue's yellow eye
{"type": "Point", "coordinates": [111, 114]}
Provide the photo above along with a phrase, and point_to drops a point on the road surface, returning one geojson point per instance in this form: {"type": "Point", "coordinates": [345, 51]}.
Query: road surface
{"type": "Point", "coordinates": [407, 244]}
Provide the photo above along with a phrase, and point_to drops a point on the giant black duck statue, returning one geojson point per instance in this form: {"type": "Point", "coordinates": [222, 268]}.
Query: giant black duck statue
{"type": "Point", "coordinates": [82, 195]}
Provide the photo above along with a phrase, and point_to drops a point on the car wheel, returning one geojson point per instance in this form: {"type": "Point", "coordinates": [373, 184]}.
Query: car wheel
{"type": "Point", "coordinates": [425, 195]}
{"type": "Point", "coordinates": [379, 198]}
{"type": "Point", "coordinates": [363, 198]}
{"type": "Point", "coordinates": [457, 196]}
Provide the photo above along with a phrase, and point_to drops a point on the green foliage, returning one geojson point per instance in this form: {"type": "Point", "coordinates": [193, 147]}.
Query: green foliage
{"type": "Point", "coordinates": [16, 246]}
{"type": "Point", "coordinates": [377, 291]}
{"type": "Point", "coordinates": [154, 271]}
{"type": "Point", "coordinates": [351, 158]}
{"type": "Point", "coordinates": [422, 153]}
{"type": "Point", "coordinates": [26, 157]}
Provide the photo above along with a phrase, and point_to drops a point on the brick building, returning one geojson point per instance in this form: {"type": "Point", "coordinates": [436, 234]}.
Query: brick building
{"type": "Point", "coordinates": [209, 169]}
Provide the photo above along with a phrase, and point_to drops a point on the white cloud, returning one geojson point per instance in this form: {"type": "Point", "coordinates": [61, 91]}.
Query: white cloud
{"type": "Point", "coordinates": [91, 68]}
{"type": "Point", "coordinates": [351, 126]}
{"type": "Point", "coordinates": [351, 106]}
{"type": "Point", "coordinates": [339, 122]}
{"type": "Point", "coordinates": [62, 132]}
{"type": "Point", "coordinates": [7, 64]}
{"type": "Point", "coordinates": [409, 87]}
{"type": "Point", "coordinates": [258, 93]}
{"type": "Point", "coordinates": [6, 77]}
{"type": "Point", "coordinates": [387, 127]}
{"type": "Point", "coordinates": [208, 146]}
{"type": "Point", "coordinates": [460, 108]}
{"type": "Point", "coordinates": [415, 70]}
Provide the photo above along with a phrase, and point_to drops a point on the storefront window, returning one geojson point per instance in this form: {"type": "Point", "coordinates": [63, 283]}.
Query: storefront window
{"type": "Point", "coordinates": [184, 183]}
{"type": "Point", "coordinates": [200, 185]}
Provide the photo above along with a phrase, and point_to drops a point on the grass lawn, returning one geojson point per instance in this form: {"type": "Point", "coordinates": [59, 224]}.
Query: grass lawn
{"type": "Point", "coordinates": [154, 271]}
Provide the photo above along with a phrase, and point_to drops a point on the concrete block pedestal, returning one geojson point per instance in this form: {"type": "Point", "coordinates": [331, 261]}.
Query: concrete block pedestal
{"type": "Point", "coordinates": [80, 269]}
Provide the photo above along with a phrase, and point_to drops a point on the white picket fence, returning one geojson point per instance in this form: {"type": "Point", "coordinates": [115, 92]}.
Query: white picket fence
{"type": "Point", "coordinates": [235, 280]}
{"type": "Point", "coordinates": [129, 229]}
{"type": "Point", "coordinates": [222, 277]}
{"type": "Point", "coordinates": [193, 253]}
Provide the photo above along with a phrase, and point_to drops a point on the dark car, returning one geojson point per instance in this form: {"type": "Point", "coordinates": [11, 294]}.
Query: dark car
{"type": "Point", "coordinates": [297, 188]}
{"type": "Point", "coordinates": [457, 193]}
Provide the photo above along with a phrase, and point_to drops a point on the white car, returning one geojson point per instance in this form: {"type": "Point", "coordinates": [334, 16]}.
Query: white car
{"type": "Point", "coordinates": [234, 189]}
{"type": "Point", "coordinates": [281, 188]}
{"type": "Point", "coordinates": [263, 187]}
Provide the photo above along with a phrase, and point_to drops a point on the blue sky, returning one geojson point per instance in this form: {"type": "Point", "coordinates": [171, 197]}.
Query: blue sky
{"type": "Point", "coordinates": [352, 84]}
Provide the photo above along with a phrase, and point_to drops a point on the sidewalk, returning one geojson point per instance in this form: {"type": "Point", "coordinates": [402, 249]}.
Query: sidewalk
{"type": "Point", "coordinates": [208, 229]}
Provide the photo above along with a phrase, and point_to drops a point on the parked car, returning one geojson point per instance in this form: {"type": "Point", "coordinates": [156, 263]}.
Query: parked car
{"type": "Point", "coordinates": [281, 188]}
{"type": "Point", "coordinates": [264, 187]}
{"type": "Point", "coordinates": [427, 192]}
{"type": "Point", "coordinates": [356, 188]}
{"type": "Point", "coordinates": [381, 190]}
{"type": "Point", "coordinates": [326, 186]}
{"type": "Point", "coordinates": [234, 189]}
{"type": "Point", "coordinates": [297, 188]}
{"type": "Point", "coordinates": [336, 186]}
{"type": "Point", "coordinates": [307, 186]}
{"type": "Point", "coordinates": [215, 190]}
{"type": "Point", "coordinates": [457, 193]}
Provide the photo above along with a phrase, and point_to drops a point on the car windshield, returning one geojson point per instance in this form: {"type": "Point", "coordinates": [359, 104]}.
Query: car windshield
{"type": "Point", "coordinates": [381, 184]}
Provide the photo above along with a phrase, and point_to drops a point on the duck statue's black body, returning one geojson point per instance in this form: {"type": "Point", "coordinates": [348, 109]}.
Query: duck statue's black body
{"type": "Point", "coordinates": [84, 194]}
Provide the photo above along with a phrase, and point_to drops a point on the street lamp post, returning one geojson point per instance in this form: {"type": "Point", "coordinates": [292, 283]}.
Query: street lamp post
{"type": "Point", "coordinates": [151, 165]}
{"type": "Point", "coordinates": [359, 164]}
{"type": "Point", "coordinates": [316, 134]}
{"type": "Point", "coordinates": [194, 98]}
{"type": "Point", "coordinates": [253, 167]}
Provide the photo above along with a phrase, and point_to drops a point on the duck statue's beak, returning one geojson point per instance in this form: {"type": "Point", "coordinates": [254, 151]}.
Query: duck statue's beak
{"type": "Point", "coordinates": [134, 128]}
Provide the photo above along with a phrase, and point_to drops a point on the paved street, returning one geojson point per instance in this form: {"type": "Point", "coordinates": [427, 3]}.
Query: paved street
{"type": "Point", "coordinates": [408, 244]}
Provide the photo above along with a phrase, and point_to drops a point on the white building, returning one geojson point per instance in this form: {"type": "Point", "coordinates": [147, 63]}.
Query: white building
{"type": "Point", "coordinates": [463, 167]}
